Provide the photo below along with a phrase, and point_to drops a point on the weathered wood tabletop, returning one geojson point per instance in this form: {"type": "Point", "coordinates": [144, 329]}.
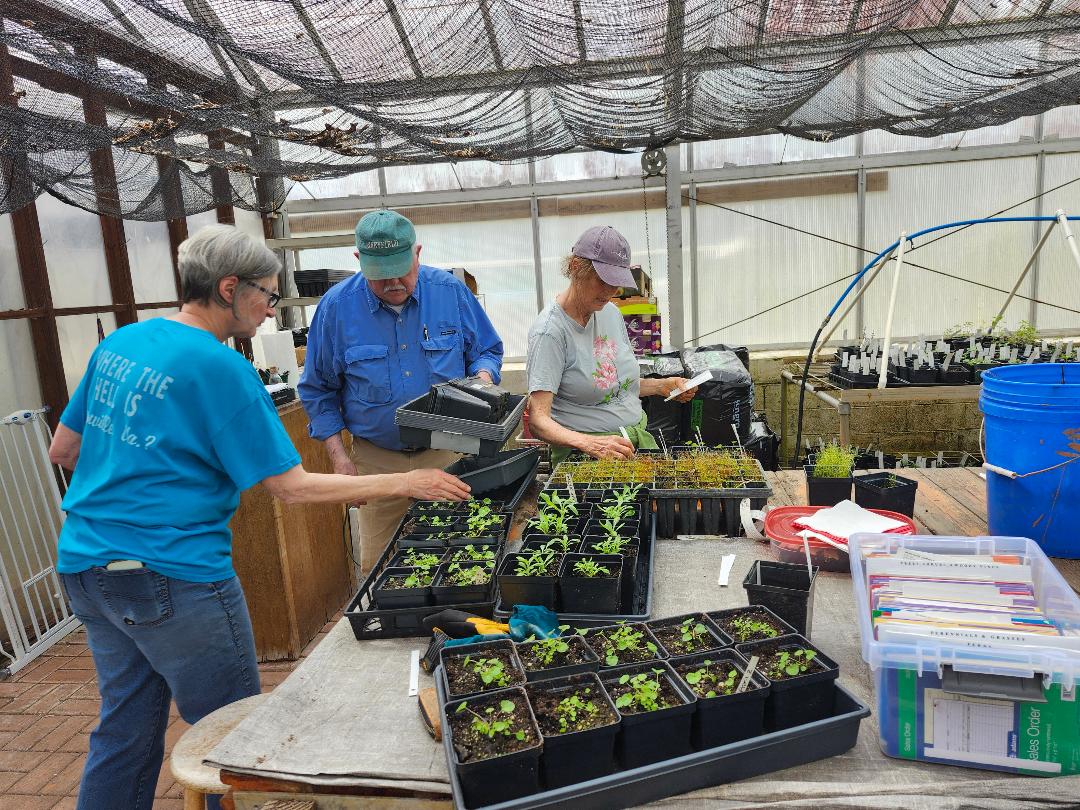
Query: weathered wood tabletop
{"type": "Point", "coordinates": [343, 722]}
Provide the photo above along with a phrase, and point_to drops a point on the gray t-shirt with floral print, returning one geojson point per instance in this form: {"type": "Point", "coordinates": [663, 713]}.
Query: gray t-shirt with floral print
{"type": "Point", "coordinates": [591, 369]}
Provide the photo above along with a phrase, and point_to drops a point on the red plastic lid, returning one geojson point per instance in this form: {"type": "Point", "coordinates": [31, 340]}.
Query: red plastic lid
{"type": "Point", "coordinates": [780, 525]}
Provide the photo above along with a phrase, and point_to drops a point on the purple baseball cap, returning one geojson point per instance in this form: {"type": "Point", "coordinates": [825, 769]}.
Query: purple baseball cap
{"type": "Point", "coordinates": [609, 253]}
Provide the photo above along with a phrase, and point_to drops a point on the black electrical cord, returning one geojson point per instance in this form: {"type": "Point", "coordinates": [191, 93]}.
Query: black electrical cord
{"type": "Point", "coordinates": [346, 538]}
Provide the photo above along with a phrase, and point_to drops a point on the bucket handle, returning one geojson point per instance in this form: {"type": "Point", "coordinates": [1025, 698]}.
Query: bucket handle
{"type": "Point", "coordinates": [994, 468]}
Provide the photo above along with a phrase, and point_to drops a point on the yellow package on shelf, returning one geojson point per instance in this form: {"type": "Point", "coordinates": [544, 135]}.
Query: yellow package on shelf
{"type": "Point", "coordinates": [637, 306]}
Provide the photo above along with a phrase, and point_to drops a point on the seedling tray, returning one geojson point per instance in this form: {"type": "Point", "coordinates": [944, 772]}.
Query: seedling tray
{"type": "Point", "coordinates": [485, 474]}
{"type": "Point", "coordinates": [642, 601]}
{"type": "Point", "coordinates": [418, 427]}
{"type": "Point", "coordinates": [714, 766]}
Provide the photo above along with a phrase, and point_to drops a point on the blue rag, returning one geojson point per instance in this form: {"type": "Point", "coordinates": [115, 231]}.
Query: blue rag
{"type": "Point", "coordinates": [525, 622]}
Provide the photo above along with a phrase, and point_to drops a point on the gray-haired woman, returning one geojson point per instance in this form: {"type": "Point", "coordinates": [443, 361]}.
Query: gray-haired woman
{"type": "Point", "coordinates": [165, 430]}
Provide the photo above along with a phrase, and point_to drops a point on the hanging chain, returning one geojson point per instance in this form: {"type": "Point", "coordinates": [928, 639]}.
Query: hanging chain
{"type": "Point", "coordinates": [645, 209]}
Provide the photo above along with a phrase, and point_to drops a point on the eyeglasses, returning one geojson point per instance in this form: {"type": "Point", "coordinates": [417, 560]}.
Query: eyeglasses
{"type": "Point", "coordinates": [270, 294]}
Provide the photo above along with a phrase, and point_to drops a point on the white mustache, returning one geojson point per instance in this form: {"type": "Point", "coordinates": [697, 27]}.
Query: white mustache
{"type": "Point", "coordinates": [394, 289]}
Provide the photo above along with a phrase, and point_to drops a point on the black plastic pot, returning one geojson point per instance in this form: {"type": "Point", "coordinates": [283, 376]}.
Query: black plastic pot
{"type": "Point", "coordinates": [591, 664]}
{"type": "Point", "coordinates": [720, 618]}
{"type": "Point", "coordinates": [489, 474]}
{"type": "Point", "coordinates": [497, 398]}
{"type": "Point", "coordinates": [577, 756]}
{"type": "Point", "coordinates": [955, 374]}
{"type": "Point", "coordinates": [418, 541]}
{"type": "Point", "coordinates": [977, 370]}
{"type": "Point", "coordinates": [519, 590]}
{"type": "Point", "coordinates": [398, 560]}
{"type": "Point", "coordinates": [487, 540]}
{"type": "Point", "coordinates": [627, 528]}
{"type": "Point", "coordinates": [785, 589]}
{"type": "Point", "coordinates": [499, 779]}
{"type": "Point", "coordinates": [579, 594]}
{"type": "Point", "coordinates": [714, 638]}
{"type": "Point", "coordinates": [872, 492]}
{"type": "Point", "coordinates": [446, 400]}
{"type": "Point", "coordinates": [387, 598]}
{"type": "Point", "coordinates": [444, 594]}
{"type": "Point", "coordinates": [725, 718]}
{"type": "Point", "coordinates": [649, 737]}
{"type": "Point", "coordinates": [456, 524]}
{"type": "Point", "coordinates": [922, 376]}
{"type": "Point", "coordinates": [493, 547]}
{"type": "Point", "coordinates": [599, 648]}
{"type": "Point", "coordinates": [826, 491]}
{"type": "Point", "coordinates": [483, 649]}
{"type": "Point", "coordinates": [798, 700]}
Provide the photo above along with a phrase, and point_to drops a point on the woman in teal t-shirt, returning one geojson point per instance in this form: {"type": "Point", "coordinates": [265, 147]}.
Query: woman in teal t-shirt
{"type": "Point", "coordinates": [165, 430]}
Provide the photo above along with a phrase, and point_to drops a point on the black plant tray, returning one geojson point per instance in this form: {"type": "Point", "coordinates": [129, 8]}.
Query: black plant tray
{"type": "Point", "coordinates": [370, 621]}
{"type": "Point", "coordinates": [483, 475]}
{"type": "Point", "coordinates": [419, 427]}
{"type": "Point", "coordinates": [713, 766]}
{"type": "Point", "coordinates": [642, 603]}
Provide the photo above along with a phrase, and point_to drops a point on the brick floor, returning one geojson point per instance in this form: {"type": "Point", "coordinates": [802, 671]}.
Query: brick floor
{"type": "Point", "coordinates": [47, 711]}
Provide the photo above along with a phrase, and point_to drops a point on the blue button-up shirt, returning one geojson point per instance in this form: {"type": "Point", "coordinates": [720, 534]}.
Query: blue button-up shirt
{"type": "Point", "coordinates": [364, 360]}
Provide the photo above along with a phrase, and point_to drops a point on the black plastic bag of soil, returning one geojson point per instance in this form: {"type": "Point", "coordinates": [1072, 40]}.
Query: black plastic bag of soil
{"type": "Point", "coordinates": [667, 420]}
{"type": "Point", "coordinates": [722, 410]}
{"type": "Point", "coordinates": [762, 443]}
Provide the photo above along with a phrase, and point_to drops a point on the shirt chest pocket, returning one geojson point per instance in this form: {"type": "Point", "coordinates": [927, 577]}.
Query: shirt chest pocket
{"type": "Point", "coordinates": [367, 370]}
{"type": "Point", "coordinates": [444, 356]}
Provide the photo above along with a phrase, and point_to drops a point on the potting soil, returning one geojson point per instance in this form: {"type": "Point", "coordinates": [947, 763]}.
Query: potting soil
{"type": "Point", "coordinates": [464, 681]}
{"type": "Point", "coordinates": [667, 698]}
{"type": "Point", "coordinates": [727, 624]}
{"type": "Point", "coordinates": [473, 746]}
{"type": "Point", "coordinates": [605, 647]}
{"type": "Point", "coordinates": [720, 669]}
{"type": "Point", "coordinates": [574, 655]}
{"type": "Point", "coordinates": [671, 636]}
{"type": "Point", "coordinates": [545, 705]}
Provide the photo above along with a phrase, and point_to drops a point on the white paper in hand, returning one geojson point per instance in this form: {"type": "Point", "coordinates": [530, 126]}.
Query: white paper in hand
{"type": "Point", "coordinates": [703, 377]}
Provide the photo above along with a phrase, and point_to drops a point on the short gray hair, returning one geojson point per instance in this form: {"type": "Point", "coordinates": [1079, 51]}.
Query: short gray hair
{"type": "Point", "coordinates": [215, 252]}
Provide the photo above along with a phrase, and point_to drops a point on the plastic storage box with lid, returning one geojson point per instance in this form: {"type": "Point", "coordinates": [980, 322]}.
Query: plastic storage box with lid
{"type": "Point", "coordinates": [974, 699]}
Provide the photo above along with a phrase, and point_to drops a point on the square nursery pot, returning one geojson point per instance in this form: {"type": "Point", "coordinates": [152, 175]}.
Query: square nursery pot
{"type": "Point", "coordinates": [922, 376]}
{"type": "Point", "coordinates": [398, 560]}
{"type": "Point", "coordinates": [826, 491]}
{"type": "Point", "coordinates": [494, 548]}
{"type": "Point", "coordinates": [796, 700]}
{"type": "Point", "coordinates": [445, 593]}
{"type": "Point", "coordinates": [526, 590]}
{"type": "Point", "coordinates": [579, 658]}
{"type": "Point", "coordinates": [419, 541]}
{"type": "Point", "coordinates": [669, 634]}
{"type": "Point", "coordinates": [460, 685]}
{"type": "Point", "coordinates": [596, 638]}
{"type": "Point", "coordinates": [649, 737]}
{"type": "Point", "coordinates": [629, 566]}
{"type": "Point", "coordinates": [393, 598]}
{"type": "Point", "coordinates": [536, 541]}
{"type": "Point", "coordinates": [723, 620]}
{"type": "Point", "coordinates": [955, 374]}
{"type": "Point", "coordinates": [491, 780]}
{"type": "Point", "coordinates": [575, 756]}
{"type": "Point", "coordinates": [784, 588]}
{"type": "Point", "coordinates": [602, 594]}
{"type": "Point", "coordinates": [724, 719]}
{"type": "Point", "coordinates": [886, 490]}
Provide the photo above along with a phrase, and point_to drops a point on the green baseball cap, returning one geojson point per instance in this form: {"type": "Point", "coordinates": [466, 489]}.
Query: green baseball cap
{"type": "Point", "coordinates": [384, 240]}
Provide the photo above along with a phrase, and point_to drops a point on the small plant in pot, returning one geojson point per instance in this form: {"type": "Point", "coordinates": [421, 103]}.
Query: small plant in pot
{"type": "Point", "coordinates": [579, 723]}
{"type": "Point", "coordinates": [470, 669]}
{"type": "Point", "coordinates": [801, 679]}
{"type": "Point", "coordinates": [724, 714]}
{"type": "Point", "coordinates": [622, 644]}
{"type": "Point", "coordinates": [496, 745]}
{"type": "Point", "coordinates": [590, 583]}
{"type": "Point", "coordinates": [463, 583]}
{"type": "Point", "coordinates": [787, 589]}
{"type": "Point", "coordinates": [886, 490]}
{"type": "Point", "coordinates": [529, 578]}
{"type": "Point", "coordinates": [828, 480]}
{"type": "Point", "coordinates": [656, 709]}
{"type": "Point", "coordinates": [404, 588]}
{"type": "Point", "coordinates": [754, 623]}
{"type": "Point", "coordinates": [473, 553]}
{"type": "Point", "coordinates": [684, 635]}
{"type": "Point", "coordinates": [557, 657]}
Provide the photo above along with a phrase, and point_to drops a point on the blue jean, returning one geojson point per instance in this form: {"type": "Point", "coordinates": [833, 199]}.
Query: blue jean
{"type": "Point", "coordinates": [154, 638]}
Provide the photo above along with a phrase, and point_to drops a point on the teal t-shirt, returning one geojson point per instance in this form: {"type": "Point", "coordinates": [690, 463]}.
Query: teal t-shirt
{"type": "Point", "coordinates": [174, 426]}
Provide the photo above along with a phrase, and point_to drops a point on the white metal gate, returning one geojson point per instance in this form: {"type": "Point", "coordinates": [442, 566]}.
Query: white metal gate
{"type": "Point", "coordinates": [33, 608]}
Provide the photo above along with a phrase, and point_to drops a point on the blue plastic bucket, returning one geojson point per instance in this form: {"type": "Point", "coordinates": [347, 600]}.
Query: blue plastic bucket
{"type": "Point", "coordinates": [1032, 416]}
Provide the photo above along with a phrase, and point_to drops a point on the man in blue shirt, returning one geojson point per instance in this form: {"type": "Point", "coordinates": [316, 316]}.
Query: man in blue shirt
{"type": "Point", "coordinates": [379, 340]}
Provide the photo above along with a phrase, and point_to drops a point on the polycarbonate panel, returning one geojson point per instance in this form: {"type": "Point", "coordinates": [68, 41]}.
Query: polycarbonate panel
{"type": "Point", "coordinates": [761, 149]}
{"type": "Point", "coordinates": [359, 184]}
{"type": "Point", "coordinates": [876, 142]}
{"type": "Point", "coordinates": [20, 388]}
{"type": "Point", "coordinates": [74, 254]}
{"type": "Point", "coordinates": [11, 292]}
{"type": "Point", "coordinates": [1063, 122]}
{"type": "Point", "coordinates": [747, 266]}
{"type": "Point", "coordinates": [197, 221]}
{"type": "Point", "coordinates": [250, 223]}
{"type": "Point", "coordinates": [151, 261]}
{"type": "Point", "coordinates": [1059, 277]}
{"type": "Point", "coordinates": [78, 338]}
{"type": "Point", "coordinates": [578, 166]}
{"type": "Point", "coordinates": [922, 196]}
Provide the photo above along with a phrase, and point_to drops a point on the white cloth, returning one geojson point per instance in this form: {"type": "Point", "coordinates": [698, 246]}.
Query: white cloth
{"type": "Point", "coordinates": [846, 518]}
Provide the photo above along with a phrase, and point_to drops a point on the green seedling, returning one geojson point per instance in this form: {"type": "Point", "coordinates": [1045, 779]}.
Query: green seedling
{"type": "Point", "coordinates": [571, 708]}
{"type": "Point", "coordinates": [494, 721]}
{"type": "Point", "coordinates": [616, 511]}
{"type": "Point", "coordinates": [535, 564]}
{"type": "Point", "coordinates": [434, 520]}
{"type": "Point", "coordinates": [590, 568]}
{"type": "Point", "coordinates": [491, 671]}
{"type": "Point", "coordinates": [416, 558]}
{"type": "Point", "coordinates": [472, 553]}
{"type": "Point", "coordinates": [612, 528]}
{"type": "Point", "coordinates": [789, 664]}
{"type": "Point", "coordinates": [746, 628]}
{"type": "Point", "coordinates": [692, 632]}
{"type": "Point", "coordinates": [462, 576]}
{"type": "Point", "coordinates": [419, 578]}
{"type": "Point", "coordinates": [611, 545]}
{"type": "Point", "coordinates": [704, 676]}
{"type": "Point", "coordinates": [834, 461]}
{"type": "Point", "coordinates": [644, 691]}
{"type": "Point", "coordinates": [622, 641]}
{"type": "Point", "coordinates": [480, 522]}
{"type": "Point", "coordinates": [545, 650]}
{"type": "Point", "coordinates": [551, 523]}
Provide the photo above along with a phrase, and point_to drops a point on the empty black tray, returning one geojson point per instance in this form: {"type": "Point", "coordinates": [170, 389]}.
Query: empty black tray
{"type": "Point", "coordinates": [485, 474]}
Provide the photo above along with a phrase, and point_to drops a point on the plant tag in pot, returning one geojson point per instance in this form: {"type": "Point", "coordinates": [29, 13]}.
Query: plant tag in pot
{"type": "Point", "coordinates": [1057, 351]}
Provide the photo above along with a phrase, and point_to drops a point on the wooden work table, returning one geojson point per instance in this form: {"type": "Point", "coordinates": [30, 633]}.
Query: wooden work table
{"type": "Point", "coordinates": [292, 560]}
{"type": "Point", "coordinates": [342, 726]}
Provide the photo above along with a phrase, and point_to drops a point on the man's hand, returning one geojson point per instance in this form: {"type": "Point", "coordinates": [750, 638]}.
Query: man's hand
{"type": "Point", "coordinates": [486, 376]}
{"type": "Point", "coordinates": [434, 485]}
{"type": "Point", "coordinates": [608, 447]}
{"type": "Point", "coordinates": [669, 384]}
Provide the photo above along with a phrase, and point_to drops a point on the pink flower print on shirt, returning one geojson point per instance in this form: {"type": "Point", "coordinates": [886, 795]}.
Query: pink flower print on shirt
{"type": "Point", "coordinates": [604, 349]}
{"type": "Point", "coordinates": [606, 375]}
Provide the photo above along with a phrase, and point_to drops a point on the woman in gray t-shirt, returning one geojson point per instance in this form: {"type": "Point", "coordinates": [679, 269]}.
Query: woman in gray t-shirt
{"type": "Point", "coordinates": [583, 376]}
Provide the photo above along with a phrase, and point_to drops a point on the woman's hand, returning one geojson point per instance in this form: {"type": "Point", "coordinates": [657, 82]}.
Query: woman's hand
{"type": "Point", "coordinates": [669, 384]}
{"type": "Point", "coordinates": [435, 485]}
{"type": "Point", "coordinates": [607, 447]}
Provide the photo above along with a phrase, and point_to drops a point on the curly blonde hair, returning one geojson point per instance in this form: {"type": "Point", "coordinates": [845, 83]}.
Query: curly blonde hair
{"type": "Point", "coordinates": [576, 268]}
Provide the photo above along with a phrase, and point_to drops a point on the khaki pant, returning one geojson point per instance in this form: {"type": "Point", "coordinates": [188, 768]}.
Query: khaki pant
{"type": "Point", "coordinates": [379, 519]}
